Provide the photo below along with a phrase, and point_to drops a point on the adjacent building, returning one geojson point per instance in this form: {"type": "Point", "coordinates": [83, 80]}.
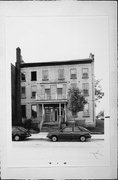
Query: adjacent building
{"type": "Point", "coordinates": [44, 89]}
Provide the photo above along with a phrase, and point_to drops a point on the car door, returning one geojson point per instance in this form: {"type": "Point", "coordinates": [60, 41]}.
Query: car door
{"type": "Point", "coordinates": [77, 133]}
{"type": "Point", "coordinates": [66, 133]}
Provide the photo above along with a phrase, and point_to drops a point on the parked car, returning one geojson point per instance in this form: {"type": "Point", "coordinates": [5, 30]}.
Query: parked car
{"type": "Point", "coordinates": [69, 133]}
{"type": "Point", "coordinates": [19, 133]}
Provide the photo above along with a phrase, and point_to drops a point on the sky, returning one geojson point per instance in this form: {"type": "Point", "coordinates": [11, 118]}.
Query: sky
{"type": "Point", "coordinates": [58, 39]}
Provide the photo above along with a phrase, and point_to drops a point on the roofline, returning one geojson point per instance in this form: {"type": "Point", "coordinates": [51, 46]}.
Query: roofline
{"type": "Point", "coordinates": [56, 63]}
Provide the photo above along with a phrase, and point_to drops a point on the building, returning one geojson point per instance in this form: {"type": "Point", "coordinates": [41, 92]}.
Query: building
{"type": "Point", "coordinates": [44, 89]}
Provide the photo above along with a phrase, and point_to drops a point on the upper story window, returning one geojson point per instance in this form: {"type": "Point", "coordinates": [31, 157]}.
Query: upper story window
{"type": "Point", "coordinates": [33, 92]}
{"type": "Point", "coordinates": [84, 73]}
{"type": "Point", "coordinates": [23, 92]}
{"type": "Point", "coordinates": [44, 75]}
{"type": "Point", "coordinates": [47, 94]}
{"type": "Point", "coordinates": [59, 93]}
{"type": "Point", "coordinates": [61, 74]}
{"type": "Point", "coordinates": [23, 76]}
{"type": "Point", "coordinates": [86, 89]}
{"type": "Point", "coordinates": [73, 73]}
{"type": "Point", "coordinates": [33, 76]}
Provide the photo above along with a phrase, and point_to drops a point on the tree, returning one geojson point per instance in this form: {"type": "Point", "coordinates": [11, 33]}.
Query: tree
{"type": "Point", "coordinates": [76, 100]}
{"type": "Point", "coordinates": [98, 91]}
{"type": "Point", "coordinates": [100, 114]}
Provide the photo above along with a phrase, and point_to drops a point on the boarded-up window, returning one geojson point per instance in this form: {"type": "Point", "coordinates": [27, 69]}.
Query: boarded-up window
{"type": "Point", "coordinates": [33, 92]}
{"type": "Point", "coordinates": [23, 92]}
{"type": "Point", "coordinates": [84, 73]}
{"type": "Point", "coordinates": [86, 89]}
{"type": "Point", "coordinates": [73, 73]}
{"type": "Point", "coordinates": [60, 74]}
{"type": "Point", "coordinates": [44, 75]}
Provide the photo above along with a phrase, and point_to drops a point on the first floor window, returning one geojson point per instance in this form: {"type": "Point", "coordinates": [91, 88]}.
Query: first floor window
{"type": "Point", "coordinates": [34, 111]}
{"type": "Point", "coordinates": [86, 110]}
{"type": "Point", "coordinates": [23, 111]}
{"type": "Point", "coordinates": [23, 92]}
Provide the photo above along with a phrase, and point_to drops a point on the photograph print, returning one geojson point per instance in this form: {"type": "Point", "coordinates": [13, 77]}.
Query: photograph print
{"type": "Point", "coordinates": [58, 91]}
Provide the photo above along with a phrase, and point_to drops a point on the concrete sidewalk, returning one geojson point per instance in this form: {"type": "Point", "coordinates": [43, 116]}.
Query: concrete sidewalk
{"type": "Point", "coordinates": [43, 135]}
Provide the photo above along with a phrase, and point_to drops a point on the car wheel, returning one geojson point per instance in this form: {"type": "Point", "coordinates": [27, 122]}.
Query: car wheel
{"type": "Point", "coordinates": [54, 138]}
{"type": "Point", "coordinates": [16, 138]}
{"type": "Point", "coordinates": [82, 138]}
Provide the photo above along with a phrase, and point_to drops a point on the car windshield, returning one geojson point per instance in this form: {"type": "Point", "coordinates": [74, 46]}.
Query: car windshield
{"type": "Point", "coordinates": [83, 129]}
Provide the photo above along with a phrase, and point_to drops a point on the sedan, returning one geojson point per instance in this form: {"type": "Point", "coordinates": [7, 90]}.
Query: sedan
{"type": "Point", "coordinates": [19, 133]}
{"type": "Point", "coordinates": [69, 133]}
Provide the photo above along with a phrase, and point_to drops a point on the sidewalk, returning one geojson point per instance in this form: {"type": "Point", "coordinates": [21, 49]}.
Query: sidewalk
{"type": "Point", "coordinates": [43, 135]}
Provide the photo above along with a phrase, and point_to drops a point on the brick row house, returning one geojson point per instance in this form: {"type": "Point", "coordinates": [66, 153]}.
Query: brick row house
{"type": "Point", "coordinates": [44, 89]}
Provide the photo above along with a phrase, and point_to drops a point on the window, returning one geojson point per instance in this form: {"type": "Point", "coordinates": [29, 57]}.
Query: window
{"type": "Point", "coordinates": [23, 111]}
{"type": "Point", "coordinates": [73, 73]}
{"type": "Point", "coordinates": [85, 89]}
{"type": "Point", "coordinates": [33, 92]}
{"type": "Point", "coordinates": [86, 110]}
{"type": "Point", "coordinates": [34, 111]}
{"type": "Point", "coordinates": [47, 94]}
{"type": "Point", "coordinates": [59, 93]}
{"type": "Point", "coordinates": [85, 73]}
{"type": "Point", "coordinates": [23, 93]}
{"type": "Point", "coordinates": [60, 74]}
{"type": "Point", "coordinates": [45, 75]}
{"type": "Point", "coordinates": [76, 129]}
{"type": "Point", "coordinates": [23, 78]}
{"type": "Point", "coordinates": [73, 85]}
{"type": "Point", "coordinates": [33, 76]}
{"type": "Point", "coordinates": [68, 129]}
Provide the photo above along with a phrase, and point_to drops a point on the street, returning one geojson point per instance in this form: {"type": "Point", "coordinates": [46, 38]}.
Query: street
{"type": "Point", "coordinates": [38, 150]}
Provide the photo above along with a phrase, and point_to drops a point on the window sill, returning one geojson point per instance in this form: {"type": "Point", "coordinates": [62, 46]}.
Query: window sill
{"type": "Point", "coordinates": [85, 77]}
{"type": "Point", "coordinates": [85, 95]}
{"type": "Point", "coordinates": [45, 79]}
{"type": "Point", "coordinates": [23, 80]}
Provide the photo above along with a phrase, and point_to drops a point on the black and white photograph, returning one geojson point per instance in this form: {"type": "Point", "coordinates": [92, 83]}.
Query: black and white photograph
{"type": "Point", "coordinates": [59, 69]}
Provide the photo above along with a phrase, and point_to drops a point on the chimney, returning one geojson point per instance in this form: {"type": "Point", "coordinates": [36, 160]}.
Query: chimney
{"type": "Point", "coordinates": [18, 55]}
{"type": "Point", "coordinates": [91, 56]}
